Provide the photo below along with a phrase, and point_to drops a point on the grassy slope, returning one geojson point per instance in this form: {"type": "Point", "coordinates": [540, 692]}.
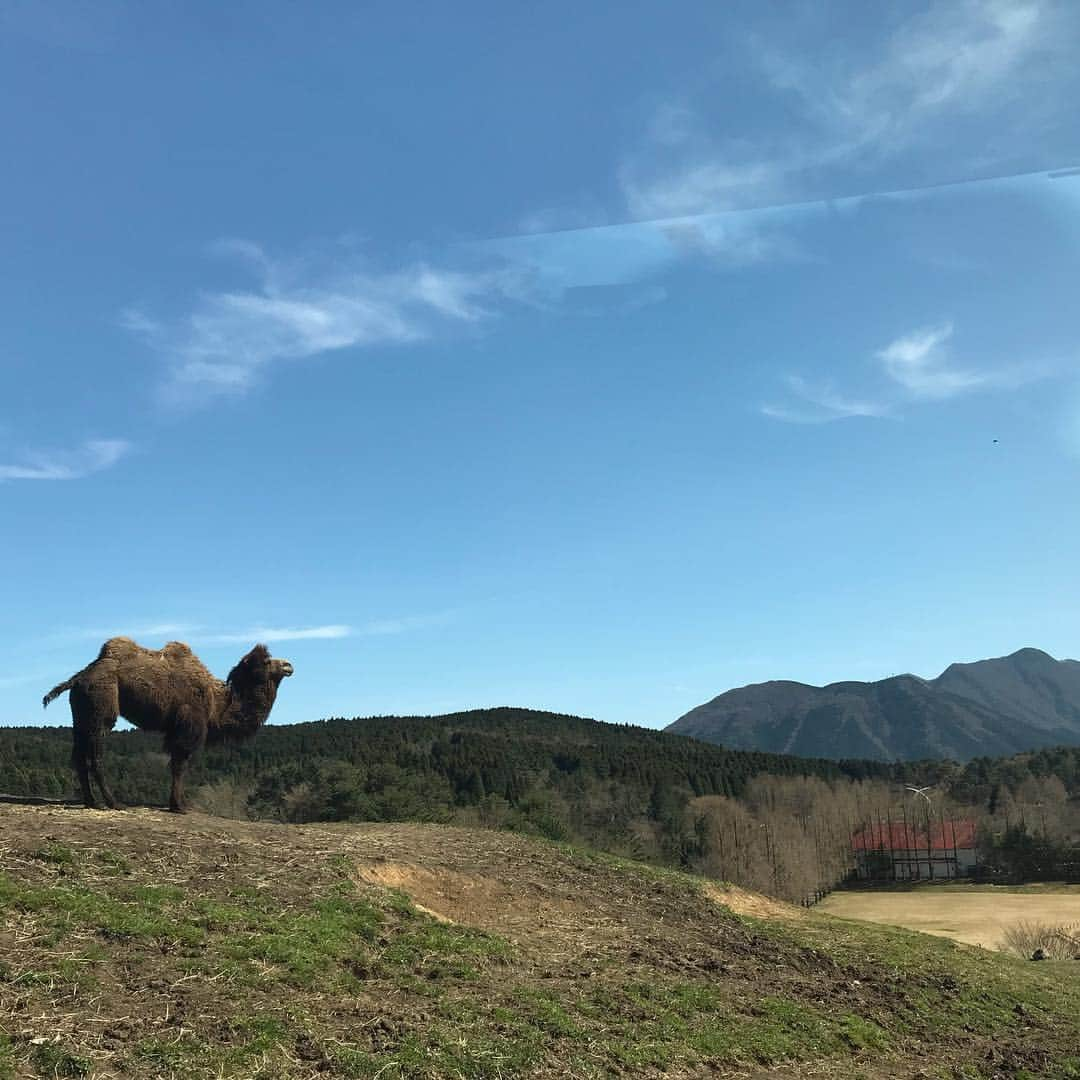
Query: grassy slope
{"type": "Point", "coordinates": [138, 944]}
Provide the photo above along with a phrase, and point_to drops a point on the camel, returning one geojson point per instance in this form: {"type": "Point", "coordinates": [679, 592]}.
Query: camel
{"type": "Point", "coordinates": [166, 690]}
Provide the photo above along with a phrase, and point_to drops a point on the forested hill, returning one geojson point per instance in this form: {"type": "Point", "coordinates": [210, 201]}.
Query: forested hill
{"type": "Point", "coordinates": [416, 766]}
{"type": "Point", "coordinates": [770, 822]}
{"type": "Point", "coordinates": [631, 791]}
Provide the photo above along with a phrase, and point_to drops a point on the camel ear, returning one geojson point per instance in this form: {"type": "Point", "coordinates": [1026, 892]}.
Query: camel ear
{"type": "Point", "coordinates": [259, 655]}
{"type": "Point", "coordinates": [249, 665]}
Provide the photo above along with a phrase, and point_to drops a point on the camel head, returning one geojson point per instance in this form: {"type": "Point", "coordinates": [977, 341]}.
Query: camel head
{"type": "Point", "coordinates": [259, 668]}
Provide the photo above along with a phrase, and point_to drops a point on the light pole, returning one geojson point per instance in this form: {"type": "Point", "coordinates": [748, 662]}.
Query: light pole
{"type": "Point", "coordinates": [929, 848]}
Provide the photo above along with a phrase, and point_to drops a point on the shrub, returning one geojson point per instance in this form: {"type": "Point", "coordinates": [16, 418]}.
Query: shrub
{"type": "Point", "coordinates": [1058, 942]}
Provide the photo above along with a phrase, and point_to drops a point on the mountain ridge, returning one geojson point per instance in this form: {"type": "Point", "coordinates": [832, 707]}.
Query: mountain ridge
{"type": "Point", "coordinates": [994, 707]}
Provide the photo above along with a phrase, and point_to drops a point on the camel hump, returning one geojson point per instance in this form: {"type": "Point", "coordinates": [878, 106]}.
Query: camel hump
{"type": "Point", "coordinates": [176, 650]}
{"type": "Point", "coordinates": [123, 648]}
{"type": "Point", "coordinates": [117, 648]}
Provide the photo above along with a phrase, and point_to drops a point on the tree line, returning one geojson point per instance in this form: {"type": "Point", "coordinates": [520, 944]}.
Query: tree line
{"type": "Point", "coordinates": [771, 822]}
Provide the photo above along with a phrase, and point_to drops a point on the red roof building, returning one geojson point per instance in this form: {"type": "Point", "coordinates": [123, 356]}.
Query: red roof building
{"type": "Point", "coordinates": [906, 851]}
{"type": "Point", "coordinates": [901, 836]}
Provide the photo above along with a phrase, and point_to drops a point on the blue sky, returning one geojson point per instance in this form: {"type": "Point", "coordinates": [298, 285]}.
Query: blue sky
{"type": "Point", "coordinates": [588, 357]}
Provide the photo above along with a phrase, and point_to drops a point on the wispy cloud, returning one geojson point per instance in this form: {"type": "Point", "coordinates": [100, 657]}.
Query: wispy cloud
{"type": "Point", "coordinates": [820, 404]}
{"type": "Point", "coordinates": [373, 628]}
{"type": "Point", "coordinates": [953, 76]}
{"type": "Point", "coordinates": [553, 262]}
{"type": "Point", "coordinates": [200, 633]}
{"type": "Point", "coordinates": [968, 87]}
{"type": "Point", "coordinates": [93, 456]}
{"type": "Point", "coordinates": [919, 363]}
{"type": "Point", "coordinates": [229, 338]}
{"type": "Point", "coordinates": [916, 367]}
{"type": "Point", "coordinates": [271, 634]}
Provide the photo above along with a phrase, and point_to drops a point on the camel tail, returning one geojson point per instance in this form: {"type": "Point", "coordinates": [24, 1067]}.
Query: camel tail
{"type": "Point", "coordinates": [56, 691]}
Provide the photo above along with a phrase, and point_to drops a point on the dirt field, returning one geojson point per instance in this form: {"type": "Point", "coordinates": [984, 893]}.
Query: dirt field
{"type": "Point", "coordinates": [975, 916]}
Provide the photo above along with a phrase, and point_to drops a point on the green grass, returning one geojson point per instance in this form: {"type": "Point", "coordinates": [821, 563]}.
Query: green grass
{"type": "Point", "coordinates": [663, 1024]}
{"type": "Point", "coordinates": [51, 1059]}
{"type": "Point", "coordinates": [138, 913]}
{"type": "Point", "coordinates": [330, 945]}
{"type": "Point", "coordinates": [74, 971]}
{"type": "Point", "coordinates": [940, 986]}
{"type": "Point", "coordinates": [354, 981]}
{"type": "Point", "coordinates": [55, 854]}
{"type": "Point", "coordinates": [172, 1055]}
{"type": "Point", "coordinates": [113, 862]}
{"type": "Point", "coordinates": [7, 1058]}
{"type": "Point", "coordinates": [254, 1041]}
{"type": "Point", "coordinates": [442, 1051]}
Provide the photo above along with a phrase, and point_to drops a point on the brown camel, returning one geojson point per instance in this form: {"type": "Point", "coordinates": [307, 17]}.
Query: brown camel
{"type": "Point", "coordinates": [166, 690]}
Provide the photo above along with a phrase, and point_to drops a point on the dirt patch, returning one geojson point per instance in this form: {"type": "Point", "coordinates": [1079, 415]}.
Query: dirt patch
{"type": "Point", "coordinates": [743, 902]}
{"type": "Point", "coordinates": [976, 918]}
{"type": "Point", "coordinates": [497, 884]}
{"type": "Point", "coordinates": [443, 894]}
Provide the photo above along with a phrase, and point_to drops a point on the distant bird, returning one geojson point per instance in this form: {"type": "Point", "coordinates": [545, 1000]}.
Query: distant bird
{"type": "Point", "coordinates": [921, 791]}
{"type": "Point", "coordinates": [995, 440]}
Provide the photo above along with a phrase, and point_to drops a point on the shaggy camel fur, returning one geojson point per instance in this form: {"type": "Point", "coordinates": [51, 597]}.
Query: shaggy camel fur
{"type": "Point", "coordinates": [166, 690]}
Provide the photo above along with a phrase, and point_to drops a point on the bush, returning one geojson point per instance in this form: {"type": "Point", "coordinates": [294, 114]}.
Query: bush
{"type": "Point", "coordinates": [1057, 942]}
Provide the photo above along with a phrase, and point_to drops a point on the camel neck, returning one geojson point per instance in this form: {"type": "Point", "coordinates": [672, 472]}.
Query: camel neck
{"type": "Point", "coordinates": [245, 710]}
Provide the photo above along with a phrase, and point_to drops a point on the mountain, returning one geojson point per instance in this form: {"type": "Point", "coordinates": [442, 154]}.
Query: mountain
{"type": "Point", "coordinates": [1029, 685]}
{"type": "Point", "coordinates": [991, 707]}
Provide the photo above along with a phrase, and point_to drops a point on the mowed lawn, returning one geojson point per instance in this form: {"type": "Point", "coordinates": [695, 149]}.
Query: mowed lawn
{"type": "Point", "coordinates": [974, 914]}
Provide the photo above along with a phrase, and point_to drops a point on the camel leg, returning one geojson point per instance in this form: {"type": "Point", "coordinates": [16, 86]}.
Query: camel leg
{"type": "Point", "coordinates": [94, 708]}
{"type": "Point", "coordinates": [82, 770]}
{"type": "Point", "coordinates": [186, 737]}
{"type": "Point", "coordinates": [96, 747]}
{"type": "Point", "coordinates": [180, 758]}
{"type": "Point", "coordinates": [82, 721]}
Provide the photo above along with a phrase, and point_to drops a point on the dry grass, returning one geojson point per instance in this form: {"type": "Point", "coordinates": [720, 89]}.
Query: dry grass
{"type": "Point", "coordinates": [744, 902]}
{"type": "Point", "coordinates": [978, 917]}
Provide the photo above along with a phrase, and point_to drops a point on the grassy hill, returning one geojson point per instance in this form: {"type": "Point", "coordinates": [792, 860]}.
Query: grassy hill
{"type": "Point", "coordinates": [137, 944]}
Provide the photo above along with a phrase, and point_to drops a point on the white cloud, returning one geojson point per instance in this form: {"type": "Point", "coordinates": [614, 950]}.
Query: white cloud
{"type": "Point", "coordinates": [700, 187]}
{"type": "Point", "coordinates": [965, 88]}
{"type": "Point", "coordinates": [93, 456]}
{"type": "Point", "coordinates": [918, 367]}
{"type": "Point", "coordinates": [230, 337]}
{"type": "Point", "coordinates": [820, 404]}
{"type": "Point", "coordinates": [919, 362]}
{"type": "Point", "coordinates": [271, 634]}
{"type": "Point", "coordinates": [199, 633]}
{"type": "Point", "coordinates": [983, 63]}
